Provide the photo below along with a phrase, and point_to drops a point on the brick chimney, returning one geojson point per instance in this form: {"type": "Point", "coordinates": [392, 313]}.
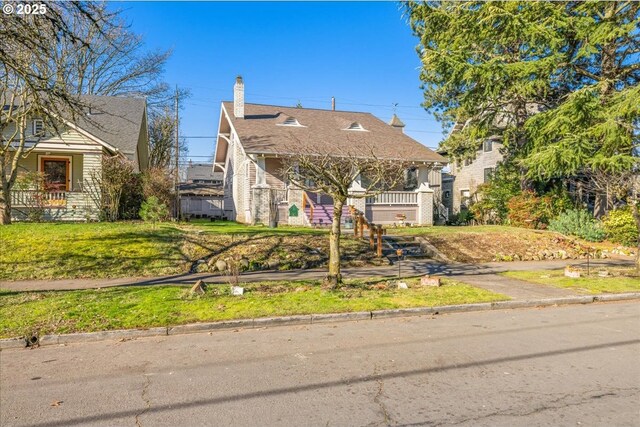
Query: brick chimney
{"type": "Point", "coordinates": [238, 98]}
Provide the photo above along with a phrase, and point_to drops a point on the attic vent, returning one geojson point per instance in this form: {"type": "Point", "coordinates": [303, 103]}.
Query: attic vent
{"type": "Point", "coordinates": [355, 126]}
{"type": "Point", "coordinates": [291, 121]}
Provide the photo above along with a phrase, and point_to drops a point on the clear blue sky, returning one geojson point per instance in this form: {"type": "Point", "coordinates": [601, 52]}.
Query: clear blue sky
{"type": "Point", "coordinates": [363, 53]}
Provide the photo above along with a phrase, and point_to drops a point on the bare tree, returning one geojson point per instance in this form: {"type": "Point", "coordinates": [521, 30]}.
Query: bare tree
{"type": "Point", "coordinates": [26, 88]}
{"type": "Point", "coordinates": [332, 170]}
{"type": "Point", "coordinates": [111, 61]}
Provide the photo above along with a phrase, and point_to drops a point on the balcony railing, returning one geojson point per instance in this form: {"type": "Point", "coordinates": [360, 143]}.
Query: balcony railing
{"type": "Point", "coordinates": [38, 199]}
{"type": "Point", "coordinates": [394, 198]}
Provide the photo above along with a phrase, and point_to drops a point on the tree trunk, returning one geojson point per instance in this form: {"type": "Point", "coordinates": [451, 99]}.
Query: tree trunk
{"type": "Point", "coordinates": [636, 216]}
{"type": "Point", "coordinates": [335, 277]}
{"type": "Point", "coordinates": [5, 206]}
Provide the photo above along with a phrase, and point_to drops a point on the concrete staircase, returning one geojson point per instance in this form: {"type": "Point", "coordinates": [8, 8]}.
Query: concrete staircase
{"type": "Point", "coordinates": [323, 215]}
{"type": "Point", "coordinates": [408, 244]}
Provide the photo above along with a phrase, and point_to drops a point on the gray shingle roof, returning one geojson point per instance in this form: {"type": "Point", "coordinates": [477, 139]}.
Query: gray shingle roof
{"type": "Point", "coordinates": [202, 171]}
{"type": "Point", "coordinates": [115, 120]}
{"type": "Point", "coordinates": [261, 132]}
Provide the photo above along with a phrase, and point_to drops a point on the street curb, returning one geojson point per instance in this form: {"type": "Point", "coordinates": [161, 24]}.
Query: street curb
{"type": "Point", "coordinates": [309, 319]}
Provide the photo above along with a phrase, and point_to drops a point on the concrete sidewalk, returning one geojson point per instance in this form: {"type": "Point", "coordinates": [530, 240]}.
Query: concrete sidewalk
{"type": "Point", "coordinates": [482, 275]}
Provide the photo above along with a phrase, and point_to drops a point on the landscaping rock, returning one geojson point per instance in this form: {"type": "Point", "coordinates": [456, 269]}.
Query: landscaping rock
{"type": "Point", "coordinates": [571, 272]}
{"type": "Point", "coordinates": [402, 285]}
{"type": "Point", "coordinates": [429, 281]}
{"type": "Point", "coordinates": [273, 265]}
{"type": "Point", "coordinates": [244, 263]}
{"type": "Point", "coordinates": [237, 290]}
{"type": "Point", "coordinates": [221, 265]}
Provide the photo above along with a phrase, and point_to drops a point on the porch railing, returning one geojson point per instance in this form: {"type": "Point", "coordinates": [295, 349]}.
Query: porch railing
{"type": "Point", "coordinates": [394, 198]}
{"type": "Point", "coordinates": [38, 199]}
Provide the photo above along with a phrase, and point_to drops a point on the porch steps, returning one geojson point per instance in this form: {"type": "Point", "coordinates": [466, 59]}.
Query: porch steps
{"type": "Point", "coordinates": [323, 215]}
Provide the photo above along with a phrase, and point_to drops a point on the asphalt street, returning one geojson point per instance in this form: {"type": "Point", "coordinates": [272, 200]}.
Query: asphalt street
{"type": "Point", "coordinates": [561, 366]}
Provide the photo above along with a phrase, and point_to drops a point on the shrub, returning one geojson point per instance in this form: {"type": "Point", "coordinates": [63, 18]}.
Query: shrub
{"type": "Point", "coordinates": [156, 182]}
{"type": "Point", "coordinates": [580, 223]}
{"type": "Point", "coordinates": [493, 196]}
{"type": "Point", "coordinates": [529, 211]}
{"type": "Point", "coordinates": [154, 211]}
{"type": "Point", "coordinates": [621, 227]}
{"type": "Point", "coordinates": [462, 218]}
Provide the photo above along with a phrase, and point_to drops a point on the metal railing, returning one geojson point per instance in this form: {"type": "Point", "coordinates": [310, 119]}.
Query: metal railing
{"type": "Point", "coordinates": [394, 198]}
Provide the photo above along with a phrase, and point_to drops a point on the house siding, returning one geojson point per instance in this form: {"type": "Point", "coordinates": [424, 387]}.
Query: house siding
{"type": "Point", "coordinates": [469, 177]}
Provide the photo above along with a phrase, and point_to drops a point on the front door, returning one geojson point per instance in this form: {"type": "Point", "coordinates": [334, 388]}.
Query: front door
{"type": "Point", "coordinates": [56, 173]}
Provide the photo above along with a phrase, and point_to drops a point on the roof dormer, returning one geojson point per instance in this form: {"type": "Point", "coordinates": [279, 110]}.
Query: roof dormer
{"type": "Point", "coordinates": [290, 121]}
{"type": "Point", "coordinates": [355, 126]}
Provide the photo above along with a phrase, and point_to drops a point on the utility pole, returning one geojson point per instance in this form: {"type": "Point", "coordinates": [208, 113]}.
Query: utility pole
{"type": "Point", "coordinates": [177, 177]}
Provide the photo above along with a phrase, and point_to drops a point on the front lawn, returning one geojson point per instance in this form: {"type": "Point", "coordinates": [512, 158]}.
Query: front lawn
{"type": "Point", "coordinates": [143, 307]}
{"type": "Point", "coordinates": [131, 249]}
{"type": "Point", "coordinates": [619, 280]}
{"type": "Point", "coordinates": [59, 250]}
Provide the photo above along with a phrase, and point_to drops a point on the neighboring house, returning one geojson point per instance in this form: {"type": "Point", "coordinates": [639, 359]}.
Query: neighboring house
{"type": "Point", "coordinates": [71, 162]}
{"type": "Point", "coordinates": [460, 184]}
{"type": "Point", "coordinates": [253, 139]}
{"type": "Point", "coordinates": [202, 173]}
{"type": "Point", "coordinates": [202, 195]}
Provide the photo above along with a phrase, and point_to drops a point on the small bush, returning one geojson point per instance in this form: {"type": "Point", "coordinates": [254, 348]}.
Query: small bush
{"type": "Point", "coordinates": [621, 227]}
{"type": "Point", "coordinates": [462, 218]}
{"type": "Point", "coordinates": [580, 223]}
{"type": "Point", "coordinates": [152, 210]}
{"type": "Point", "coordinates": [528, 210]}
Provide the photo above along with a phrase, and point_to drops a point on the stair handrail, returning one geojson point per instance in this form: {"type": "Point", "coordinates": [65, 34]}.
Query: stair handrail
{"type": "Point", "coordinates": [306, 199]}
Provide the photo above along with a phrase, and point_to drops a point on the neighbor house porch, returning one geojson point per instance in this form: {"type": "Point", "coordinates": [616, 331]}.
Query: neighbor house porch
{"type": "Point", "coordinates": [57, 185]}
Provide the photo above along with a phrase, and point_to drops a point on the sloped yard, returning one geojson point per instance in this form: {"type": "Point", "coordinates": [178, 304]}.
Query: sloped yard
{"type": "Point", "coordinates": [135, 249]}
{"type": "Point", "coordinates": [502, 243]}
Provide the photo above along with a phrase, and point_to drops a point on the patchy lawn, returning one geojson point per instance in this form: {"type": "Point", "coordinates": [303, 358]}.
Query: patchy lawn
{"type": "Point", "coordinates": [59, 250]}
{"type": "Point", "coordinates": [486, 243]}
{"type": "Point", "coordinates": [24, 313]}
{"type": "Point", "coordinates": [618, 280]}
{"type": "Point", "coordinates": [131, 249]}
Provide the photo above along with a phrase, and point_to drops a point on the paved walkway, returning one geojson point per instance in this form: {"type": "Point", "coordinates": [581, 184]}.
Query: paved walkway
{"type": "Point", "coordinates": [481, 275]}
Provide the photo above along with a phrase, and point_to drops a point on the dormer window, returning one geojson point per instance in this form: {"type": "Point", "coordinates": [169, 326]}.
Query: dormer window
{"type": "Point", "coordinates": [291, 121]}
{"type": "Point", "coordinates": [355, 126]}
{"type": "Point", "coordinates": [38, 127]}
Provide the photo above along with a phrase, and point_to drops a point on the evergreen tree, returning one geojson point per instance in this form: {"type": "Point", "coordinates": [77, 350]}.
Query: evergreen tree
{"type": "Point", "coordinates": [558, 81]}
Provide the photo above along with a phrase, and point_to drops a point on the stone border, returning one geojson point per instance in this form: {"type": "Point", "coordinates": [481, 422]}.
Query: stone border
{"type": "Point", "coordinates": [309, 319]}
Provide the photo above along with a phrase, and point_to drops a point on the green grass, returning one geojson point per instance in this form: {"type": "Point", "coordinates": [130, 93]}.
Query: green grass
{"type": "Point", "coordinates": [619, 281]}
{"type": "Point", "coordinates": [58, 250]}
{"type": "Point", "coordinates": [230, 227]}
{"type": "Point", "coordinates": [122, 249]}
{"type": "Point", "coordinates": [142, 307]}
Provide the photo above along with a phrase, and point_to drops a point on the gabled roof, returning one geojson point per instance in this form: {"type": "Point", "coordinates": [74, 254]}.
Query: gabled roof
{"type": "Point", "coordinates": [202, 171]}
{"type": "Point", "coordinates": [324, 130]}
{"type": "Point", "coordinates": [115, 120]}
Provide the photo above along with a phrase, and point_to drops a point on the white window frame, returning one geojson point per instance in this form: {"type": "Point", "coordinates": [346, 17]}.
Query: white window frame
{"type": "Point", "coordinates": [34, 126]}
{"type": "Point", "coordinates": [484, 146]}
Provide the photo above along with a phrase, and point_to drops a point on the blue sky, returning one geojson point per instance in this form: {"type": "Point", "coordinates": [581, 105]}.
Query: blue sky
{"type": "Point", "coordinates": [363, 53]}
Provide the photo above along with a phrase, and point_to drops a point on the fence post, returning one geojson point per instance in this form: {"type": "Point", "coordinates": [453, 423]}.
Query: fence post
{"type": "Point", "coordinates": [371, 236]}
{"type": "Point", "coordinates": [379, 230]}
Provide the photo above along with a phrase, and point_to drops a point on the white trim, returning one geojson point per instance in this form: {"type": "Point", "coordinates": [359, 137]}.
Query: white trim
{"type": "Point", "coordinates": [33, 127]}
{"type": "Point", "coordinates": [55, 156]}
